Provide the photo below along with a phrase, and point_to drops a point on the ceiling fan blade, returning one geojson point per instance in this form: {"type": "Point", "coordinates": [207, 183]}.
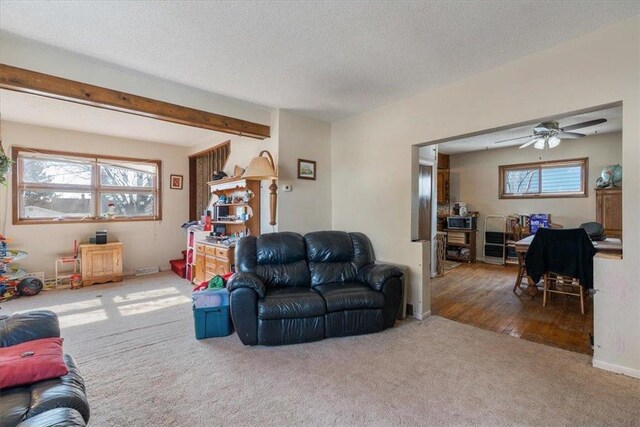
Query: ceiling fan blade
{"type": "Point", "coordinates": [528, 143]}
{"type": "Point", "coordinates": [583, 125]}
{"type": "Point", "coordinates": [570, 135]}
{"type": "Point", "coordinates": [512, 139]}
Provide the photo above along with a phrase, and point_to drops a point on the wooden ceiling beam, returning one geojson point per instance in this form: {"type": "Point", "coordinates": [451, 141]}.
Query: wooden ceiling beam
{"type": "Point", "coordinates": [26, 81]}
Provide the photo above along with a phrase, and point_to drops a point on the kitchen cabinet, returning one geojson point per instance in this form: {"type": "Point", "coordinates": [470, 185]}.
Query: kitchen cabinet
{"type": "Point", "coordinates": [443, 186]}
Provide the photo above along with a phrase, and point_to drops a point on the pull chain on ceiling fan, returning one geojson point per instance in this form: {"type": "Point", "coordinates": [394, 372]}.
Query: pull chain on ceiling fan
{"type": "Point", "coordinates": [550, 134]}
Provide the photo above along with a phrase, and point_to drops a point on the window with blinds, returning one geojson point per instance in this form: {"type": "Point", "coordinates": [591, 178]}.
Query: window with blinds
{"type": "Point", "coordinates": [560, 178]}
{"type": "Point", "coordinates": [68, 187]}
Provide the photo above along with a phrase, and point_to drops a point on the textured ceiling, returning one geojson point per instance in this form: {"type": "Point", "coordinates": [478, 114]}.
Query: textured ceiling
{"type": "Point", "coordinates": [37, 110]}
{"type": "Point", "coordinates": [488, 141]}
{"type": "Point", "coordinates": [326, 59]}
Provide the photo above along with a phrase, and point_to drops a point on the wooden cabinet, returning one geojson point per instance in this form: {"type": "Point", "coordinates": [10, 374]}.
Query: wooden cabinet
{"type": "Point", "coordinates": [101, 263]}
{"type": "Point", "coordinates": [443, 186]}
{"type": "Point", "coordinates": [443, 178]}
{"type": "Point", "coordinates": [212, 260]}
{"type": "Point", "coordinates": [443, 161]}
{"type": "Point", "coordinates": [609, 210]}
{"type": "Point", "coordinates": [233, 214]}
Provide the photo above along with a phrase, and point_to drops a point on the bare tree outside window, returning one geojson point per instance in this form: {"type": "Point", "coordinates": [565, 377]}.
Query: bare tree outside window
{"type": "Point", "coordinates": [556, 178]}
{"type": "Point", "coordinates": [66, 186]}
{"type": "Point", "coordinates": [521, 181]}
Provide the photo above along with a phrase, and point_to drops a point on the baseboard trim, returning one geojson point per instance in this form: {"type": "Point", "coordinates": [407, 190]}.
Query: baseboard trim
{"type": "Point", "coordinates": [618, 369]}
{"type": "Point", "coordinates": [423, 315]}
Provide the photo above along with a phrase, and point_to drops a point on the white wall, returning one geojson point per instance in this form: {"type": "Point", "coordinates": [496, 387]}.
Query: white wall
{"type": "Point", "coordinates": [474, 179]}
{"type": "Point", "coordinates": [308, 206]}
{"type": "Point", "coordinates": [146, 243]}
{"type": "Point", "coordinates": [372, 156]}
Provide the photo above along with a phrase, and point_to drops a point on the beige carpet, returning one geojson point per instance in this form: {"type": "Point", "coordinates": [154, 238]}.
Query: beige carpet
{"type": "Point", "coordinates": [143, 367]}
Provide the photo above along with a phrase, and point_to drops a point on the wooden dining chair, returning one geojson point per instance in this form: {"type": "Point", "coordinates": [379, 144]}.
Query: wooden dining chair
{"type": "Point", "coordinates": [522, 269]}
{"type": "Point", "coordinates": [556, 284]}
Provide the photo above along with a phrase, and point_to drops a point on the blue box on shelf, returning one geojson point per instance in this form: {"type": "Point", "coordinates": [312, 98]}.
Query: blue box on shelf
{"type": "Point", "coordinates": [538, 221]}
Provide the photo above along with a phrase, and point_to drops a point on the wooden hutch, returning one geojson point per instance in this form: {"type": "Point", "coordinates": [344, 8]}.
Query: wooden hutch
{"type": "Point", "coordinates": [235, 210]}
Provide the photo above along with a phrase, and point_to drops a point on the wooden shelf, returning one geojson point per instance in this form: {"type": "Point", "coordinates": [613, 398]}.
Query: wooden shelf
{"type": "Point", "coordinates": [230, 204]}
{"type": "Point", "coordinates": [470, 237]}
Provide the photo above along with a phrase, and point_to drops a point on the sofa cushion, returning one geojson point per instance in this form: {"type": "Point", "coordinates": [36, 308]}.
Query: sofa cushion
{"type": "Point", "coordinates": [279, 259]}
{"type": "Point", "coordinates": [280, 248]}
{"type": "Point", "coordinates": [14, 405]}
{"type": "Point", "coordinates": [362, 250]}
{"type": "Point", "coordinates": [336, 256]}
{"type": "Point", "coordinates": [29, 326]}
{"type": "Point", "coordinates": [67, 391]}
{"type": "Point", "coordinates": [349, 296]}
{"type": "Point", "coordinates": [58, 417]}
{"type": "Point", "coordinates": [329, 246]}
{"type": "Point", "coordinates": [289, 303]}
{"type": "Point", "coordinates": [330, 255]}
{"type": "Point", "coordinates": [31, 361]}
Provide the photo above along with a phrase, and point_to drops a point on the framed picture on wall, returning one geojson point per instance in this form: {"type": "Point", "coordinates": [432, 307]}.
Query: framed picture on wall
{"type": "Point", "coordinates": [306, 169]}
{"type": "Point", "coordinates": [175, 182]}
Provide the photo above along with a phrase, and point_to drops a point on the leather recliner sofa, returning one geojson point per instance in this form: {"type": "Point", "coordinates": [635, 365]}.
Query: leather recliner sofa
{"type": "Point", "coordinates": [54, 402]}
{"type": "Point", "coordinates": [292, 289]}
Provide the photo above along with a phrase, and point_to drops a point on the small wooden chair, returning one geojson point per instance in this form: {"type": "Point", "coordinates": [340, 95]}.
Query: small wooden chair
{"type": "Point", "coordinates": [552, 281]}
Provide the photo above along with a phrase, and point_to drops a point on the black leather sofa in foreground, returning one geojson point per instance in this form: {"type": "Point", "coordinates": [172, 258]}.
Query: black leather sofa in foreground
{"type": "Point", "coordinates": [55, 402]}
{"type": "Point", "coordinates": [293, 289]}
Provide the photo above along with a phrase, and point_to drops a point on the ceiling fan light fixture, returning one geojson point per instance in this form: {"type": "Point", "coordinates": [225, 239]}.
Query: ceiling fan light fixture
{"type": "Point", "coordinates": [539, 144]}
{"type": "Point", "coordinates": [553, 142]}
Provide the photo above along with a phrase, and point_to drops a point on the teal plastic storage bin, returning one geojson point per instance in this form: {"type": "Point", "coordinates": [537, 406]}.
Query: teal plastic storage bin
{"type": "Point", "coordinates": [212, 322]}
{"type": "Point", "coordinates": [210, 298]}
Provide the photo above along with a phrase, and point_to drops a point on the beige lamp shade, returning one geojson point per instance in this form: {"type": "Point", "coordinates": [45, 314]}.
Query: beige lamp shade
{"type": "Point", "coordinates": [261, 168]}
{"type": "Point", "coordinates": [264, 168]}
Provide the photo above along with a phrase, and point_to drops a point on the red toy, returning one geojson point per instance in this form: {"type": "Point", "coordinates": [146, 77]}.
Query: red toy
{"type": "Point", "coordinates": [201, 287]}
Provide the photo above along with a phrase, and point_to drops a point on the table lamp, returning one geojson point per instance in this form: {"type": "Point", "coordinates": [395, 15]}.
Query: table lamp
{"type": "Point", "coordinates": [264, 168]}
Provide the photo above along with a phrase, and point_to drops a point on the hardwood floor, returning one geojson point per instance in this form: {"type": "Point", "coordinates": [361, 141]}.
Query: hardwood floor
{"type": "Point", "coordinates": [481, 295]}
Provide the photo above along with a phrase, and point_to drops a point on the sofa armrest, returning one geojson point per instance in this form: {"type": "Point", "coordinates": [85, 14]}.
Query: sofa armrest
{"type": "Point", "coordinates": [375, 275]}
{"type": "Point", "coordinates": [28, 326]}
{"type": "Point", "coordinates": [247, 280]}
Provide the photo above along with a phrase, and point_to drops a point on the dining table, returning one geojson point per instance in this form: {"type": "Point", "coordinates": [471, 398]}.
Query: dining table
{"type": "Point", "coordinates": [608, 246]}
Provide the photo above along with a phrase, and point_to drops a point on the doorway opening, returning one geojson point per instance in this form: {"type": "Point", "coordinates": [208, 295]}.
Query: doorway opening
{"type": "Point", "coordinates": [493, 191]}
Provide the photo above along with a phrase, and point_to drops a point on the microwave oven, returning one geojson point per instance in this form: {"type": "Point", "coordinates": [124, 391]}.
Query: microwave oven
{"type": "Point", "coordinates": [461, 222]}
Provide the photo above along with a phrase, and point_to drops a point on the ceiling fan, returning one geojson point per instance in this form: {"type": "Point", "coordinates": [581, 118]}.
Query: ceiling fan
{"type": "Point", "coordinates": [549, 134]}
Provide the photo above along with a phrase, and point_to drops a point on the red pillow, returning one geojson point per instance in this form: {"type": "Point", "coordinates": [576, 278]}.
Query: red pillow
{"type": "Point", "coordinates": [31, 361]}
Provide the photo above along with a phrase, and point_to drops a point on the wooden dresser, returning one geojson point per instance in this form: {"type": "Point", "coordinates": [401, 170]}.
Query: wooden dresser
{"type": "Point", "coordinates": [101, 263]}
{"type": "Point", "coordinates": [212, 260]}
{"type": "Point", "coordinates": [609, 210]}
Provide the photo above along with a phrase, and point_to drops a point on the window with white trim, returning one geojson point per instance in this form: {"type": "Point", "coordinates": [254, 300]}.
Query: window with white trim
{"type": "Point", "coordinates": [68, 187]}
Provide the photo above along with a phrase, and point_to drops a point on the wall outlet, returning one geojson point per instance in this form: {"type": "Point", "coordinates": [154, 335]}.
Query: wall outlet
{"type": "Point", "coordinates": [287, 187]}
